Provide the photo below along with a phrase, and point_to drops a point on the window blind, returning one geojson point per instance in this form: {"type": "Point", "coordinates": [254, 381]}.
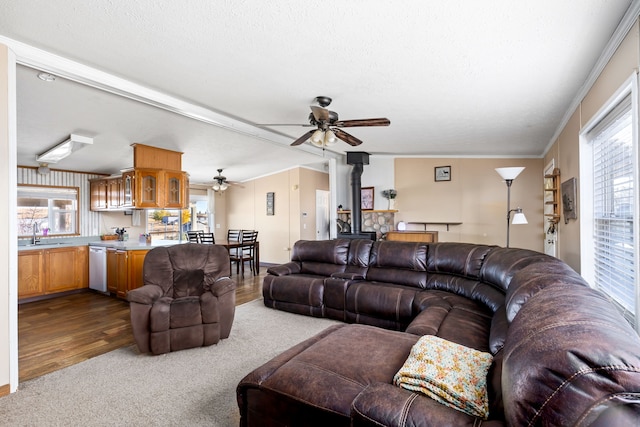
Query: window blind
{"type": "Point", "coordinates": [614, 206]}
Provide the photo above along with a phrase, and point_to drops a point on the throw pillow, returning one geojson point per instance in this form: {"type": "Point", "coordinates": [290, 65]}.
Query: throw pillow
{"type": "Point", "coordinates": [449, 373]}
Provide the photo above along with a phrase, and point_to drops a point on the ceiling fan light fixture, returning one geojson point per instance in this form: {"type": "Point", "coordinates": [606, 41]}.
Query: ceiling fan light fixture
{"type": "Point", "coordinates": [330, 138]}
{"type": "Point", "coordinates": [223, 186]}
{"type": "Point", "coordinates": [317, 138]}
{"type": "Point", "coordinates": [216, 187]}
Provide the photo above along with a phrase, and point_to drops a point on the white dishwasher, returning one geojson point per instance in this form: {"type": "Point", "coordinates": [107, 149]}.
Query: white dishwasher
{"type": "Point", "coordinates": [98, 268]}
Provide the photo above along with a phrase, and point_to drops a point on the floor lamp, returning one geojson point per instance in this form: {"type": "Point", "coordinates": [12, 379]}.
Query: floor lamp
{"type": "Point", "coordinates": [509, 174]}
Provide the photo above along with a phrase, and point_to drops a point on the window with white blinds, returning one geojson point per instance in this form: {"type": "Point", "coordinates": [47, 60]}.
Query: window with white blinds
{"type": "Point", "coordinates": [613, 198]}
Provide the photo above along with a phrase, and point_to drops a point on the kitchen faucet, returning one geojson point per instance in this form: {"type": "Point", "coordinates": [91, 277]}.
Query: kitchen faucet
{"type": "Point", "coordinates": [34, 239]}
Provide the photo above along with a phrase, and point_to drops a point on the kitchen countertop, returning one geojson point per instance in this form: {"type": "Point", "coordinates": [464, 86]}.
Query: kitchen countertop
{"type": "Point", "coordinates": [128, 245]}
{"type": "Point", "coordinates": [132, 245]}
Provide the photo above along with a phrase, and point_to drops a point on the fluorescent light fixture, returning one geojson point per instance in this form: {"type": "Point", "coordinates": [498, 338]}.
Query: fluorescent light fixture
{"type": "Point", "coordinates": [64, 149]}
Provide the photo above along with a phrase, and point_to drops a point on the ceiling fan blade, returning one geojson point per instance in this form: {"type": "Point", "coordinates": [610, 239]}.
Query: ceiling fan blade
{"type": "Point", "coordinates": [303, 138]}
{"type": "Point", "coordinates": [321, 114]}
{"type": "Point", "coordinates": [363, 122]}
{"type": "Point", "coordinates": [349, 139]}
{"type": "Point", "coordinates": [304, 125]}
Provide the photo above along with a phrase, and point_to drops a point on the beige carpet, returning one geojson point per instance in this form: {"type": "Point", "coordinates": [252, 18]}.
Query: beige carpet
{"type": "Point", "coordinates": [187, 388]}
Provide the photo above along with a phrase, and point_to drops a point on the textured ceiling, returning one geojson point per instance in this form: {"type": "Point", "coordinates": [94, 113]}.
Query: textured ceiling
{"type": "Point", "coordinates": [490, 78]}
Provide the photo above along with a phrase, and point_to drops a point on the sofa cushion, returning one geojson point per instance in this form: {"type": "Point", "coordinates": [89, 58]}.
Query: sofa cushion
{"type": "Point", "coordinates": [449, 373]}
{"type": "Point", "coordinates": [380, 304]}
{"type": "Point", "coordinates": [401, 263]}
{"type": "Point", "coordinates": [533, 278]}
{"type": "Point", "coordinates": [321, 257]}
{"type": "Point", "coordinates": [299, 293]}
{"type": "Point", "coordinates": [188, 283]}
{"type": "Point", "coordinates": [461, 259]}
{"type": "Point", "coordinates": [501, 264]}
{"type": "Point", "coordinates": [469, 288]}
{"type": "Point", "coordinates": [452, 317]}
{"type": "Point", "coordinates": [570, 359]}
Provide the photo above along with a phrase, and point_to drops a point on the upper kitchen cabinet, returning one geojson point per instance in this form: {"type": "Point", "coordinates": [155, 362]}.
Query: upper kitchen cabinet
{"type": "Point", "coordinates": [98, 191]}
{"type": "Point", "coordinates": [155, 181]}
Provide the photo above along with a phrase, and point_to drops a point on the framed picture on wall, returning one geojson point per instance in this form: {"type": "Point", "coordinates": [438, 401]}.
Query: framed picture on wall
{"type": "Point", "coordinates": [366, 197]}
{"type": "Point", "coordinates": [270, 203]}
{"type": "Point", "coordinates": [442, 173]}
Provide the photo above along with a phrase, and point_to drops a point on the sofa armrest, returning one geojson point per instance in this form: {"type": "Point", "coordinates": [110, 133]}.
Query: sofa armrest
{"type": "Point", "coordinates": [385, 404]}
{"type": "Point", "coordinates": [222, 286]}
{"type": "Point", "coordinates": [146, 294]}
{"type": "Point", "coordinates": [348, 276]}
{"type": "Point", "coordinates": [285, 269]}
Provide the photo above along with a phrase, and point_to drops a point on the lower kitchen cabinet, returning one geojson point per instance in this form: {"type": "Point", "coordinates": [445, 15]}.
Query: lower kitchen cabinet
{"type": "Point", "coordinates": [124, 270]}
{"type": "Point", "coordinates": [48, 271]}
{"type": "Point", "coordinates": [30, 273]}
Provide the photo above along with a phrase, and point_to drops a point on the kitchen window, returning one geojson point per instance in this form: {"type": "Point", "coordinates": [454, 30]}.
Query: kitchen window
{"type": "Point", "coordinates": [165, 224]}
{"type": "Point", "coordinates": [609, 193]}
{"type": "Point", "coordinates": [49, 211]}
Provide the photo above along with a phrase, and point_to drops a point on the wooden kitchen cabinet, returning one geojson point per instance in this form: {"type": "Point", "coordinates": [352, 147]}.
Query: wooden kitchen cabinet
{"type": "Point", "coordinates": [30, 273]}
{"type": "Point", "coordinates": [124, 270]}
{"type": "Point", "coordinates": [48, 271]}
{"type": "Point", "coordinates": [128, 189]}
{"type": "Point", "coordinates": [63, 269]}
{"type": "Point", "coordinates": [98, 192]}
{"type": "Point", "coordinates": [148, 189]}
{"type": "Point", "coordinates": [176, 185]}
{"type": "Point", "coordinates": [135, 263]}
{"type": "Point", "coordinates": [114, 193]}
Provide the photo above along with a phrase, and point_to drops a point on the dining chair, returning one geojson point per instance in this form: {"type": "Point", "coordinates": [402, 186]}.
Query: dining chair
{"type": "Point", "coordinates": [207, 239]}
{"type": "Point", "coordinates": [194, 236]}
{"type": "Point", "coordinates": [246, 252]}
{"type": "Point", "coordinates": [233, 235]}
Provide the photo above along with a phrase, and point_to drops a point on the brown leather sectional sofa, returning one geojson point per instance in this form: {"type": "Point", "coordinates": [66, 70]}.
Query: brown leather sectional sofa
{"type": "Point", "coordinates": [562, 354]}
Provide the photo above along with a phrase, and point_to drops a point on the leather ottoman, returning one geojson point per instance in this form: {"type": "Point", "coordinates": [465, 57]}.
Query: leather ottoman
{"type": "Point", "coordinates": [315, 382]}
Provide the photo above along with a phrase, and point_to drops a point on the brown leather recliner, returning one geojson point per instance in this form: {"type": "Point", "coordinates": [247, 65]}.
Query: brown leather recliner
{"type": "Point", "coordinates": [187, 300]}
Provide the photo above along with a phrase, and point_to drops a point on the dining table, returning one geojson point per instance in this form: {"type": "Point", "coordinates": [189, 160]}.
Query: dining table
{"type": "Point", "coordinates": [233, 244]}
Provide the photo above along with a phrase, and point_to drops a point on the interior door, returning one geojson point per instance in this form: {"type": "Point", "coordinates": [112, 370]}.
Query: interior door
{"type": "Point", "coordinates": [322, 215]}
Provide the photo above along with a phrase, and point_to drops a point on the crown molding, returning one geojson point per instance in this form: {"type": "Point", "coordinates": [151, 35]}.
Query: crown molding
{"type": "Point", "coordinates": [629, 19]}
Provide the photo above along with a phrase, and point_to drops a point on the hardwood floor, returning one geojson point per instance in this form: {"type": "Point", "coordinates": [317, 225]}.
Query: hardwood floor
{"type": "Point", "coordinates": [59, 332]}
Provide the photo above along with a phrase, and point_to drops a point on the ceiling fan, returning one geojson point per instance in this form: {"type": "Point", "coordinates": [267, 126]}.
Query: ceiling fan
{"type": "Point", "coordinates": [220, 183]}
{"type": "Point", "coordinates": [328, 126]}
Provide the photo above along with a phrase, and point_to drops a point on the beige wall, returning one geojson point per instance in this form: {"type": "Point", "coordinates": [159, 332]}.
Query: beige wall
{"type": "Point", "coordinates": [294, 193]}
{"type": "Point", "coordinates": [476, 196]}
{"type": "Point", "coordinates": [566, 148]}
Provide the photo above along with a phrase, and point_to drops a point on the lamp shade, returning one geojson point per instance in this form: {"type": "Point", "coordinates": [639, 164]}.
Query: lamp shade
{"type": "Point", "coordinates": [329, 138]}
{"type": "Point", "coordinates": [317, 138]}
{"type": "Point", "coordinates": [519, 218]}
{"type": "Point", "coordinates": [510, 173]}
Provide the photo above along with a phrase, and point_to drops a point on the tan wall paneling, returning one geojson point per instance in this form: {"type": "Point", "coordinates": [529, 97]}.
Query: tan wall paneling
{"type": "Point", "coordinates": [475, 196]}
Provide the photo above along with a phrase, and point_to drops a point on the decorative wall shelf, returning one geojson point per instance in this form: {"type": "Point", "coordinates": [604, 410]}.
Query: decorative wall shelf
{"type": "Point", "coordinates": [552, 196]}
{"type": "Point", "coordinates": [424, 223]}
{"type": "Point", "coordinates": [371, 210]}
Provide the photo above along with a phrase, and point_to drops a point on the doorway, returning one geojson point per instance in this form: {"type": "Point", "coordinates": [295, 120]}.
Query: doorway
{"type": "Point", "coordinates": [322, 215]}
